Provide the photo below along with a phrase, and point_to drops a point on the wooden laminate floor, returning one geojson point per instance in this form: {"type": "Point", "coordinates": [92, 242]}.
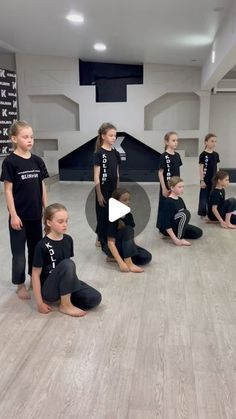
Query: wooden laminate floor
{"type": "Point", "coordinates": [161, 345]}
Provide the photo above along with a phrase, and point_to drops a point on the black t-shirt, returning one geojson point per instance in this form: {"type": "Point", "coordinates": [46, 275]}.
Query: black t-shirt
{"type": "Point", "coordinates": [217, 197]}
{"type": "Point", "coordinates": [171, 207]}
{"type": "Point", "coordinates": [209, 161]}
{"type": "Point", "coordinates": [113, 227]}
{"type": "Point", "coordinates": [48, 253]}
{"type": "Point", "coordinates": [26, 175]}
{"type": "Point", "coordinates": [170, 164]}
{"type": "Point", "coordinates": [109, 161]}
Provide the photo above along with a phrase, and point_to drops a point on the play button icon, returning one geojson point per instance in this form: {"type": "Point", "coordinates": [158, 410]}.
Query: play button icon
{"type": "Point", "coordinates": [116, 209]}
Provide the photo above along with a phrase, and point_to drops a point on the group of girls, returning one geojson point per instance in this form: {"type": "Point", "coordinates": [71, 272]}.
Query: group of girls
{"type": "Point", "coordinates": [52, 271]}
{"type": "Point", "coordinates": [50, 267]}
{"type": "Point", "coordinates": [173, 217]}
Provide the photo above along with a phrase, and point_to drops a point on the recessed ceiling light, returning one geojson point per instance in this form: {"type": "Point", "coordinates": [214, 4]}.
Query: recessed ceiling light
{"type": "Point", "coordinates": [75, 18]}
{"type": "Point", "coordinates": [213, 56]}
{"type": "Point", "coordinates": [100, 46]}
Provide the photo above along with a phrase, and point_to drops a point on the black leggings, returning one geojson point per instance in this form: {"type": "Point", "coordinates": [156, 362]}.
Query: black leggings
{"type": "Point", "coordinates": [203, 200]}
{"type": "Point", "coordinates": [229, 205]}
{"type": "Point", "coordinates": [31, 233]}
{"type": "Point", "coordinates": [182, 228]}
{"type": "Point", "coordinates": [63, 280]}
{"type": "Point", "coordinates": [127, 248]}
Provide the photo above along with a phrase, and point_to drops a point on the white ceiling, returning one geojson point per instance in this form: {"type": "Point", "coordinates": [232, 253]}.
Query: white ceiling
{"type": "Point", "coordinates": [135, 31]}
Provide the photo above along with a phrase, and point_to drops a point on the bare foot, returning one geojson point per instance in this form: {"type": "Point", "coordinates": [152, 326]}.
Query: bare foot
{"type": "Point", "coordinates": [135, 268]}
{"type": "Point", "coordinates": [109, 259]}
{"type": "Point", "coordinates": [72, 310]}
{"type": "Point", "coordinates": [97, 243]}
{"type": "Point", "coordinates": [22, 292]}
{"type": "Point", "coordinates": [231, 225]}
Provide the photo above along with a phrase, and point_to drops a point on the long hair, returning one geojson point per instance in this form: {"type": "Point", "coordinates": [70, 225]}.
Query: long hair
{"type": "Point", "coordinates": [118, 192]}
{"type": "Point", "coordinates": [104, 128]}
{"type": "Point", "coordinates": [15, 129]}
{"type": "Point", "coordinates": [167, 137]}
{"type": "Point", "coordinates": [173, 181]}
{"type": "Point", "coordinates": [220, 175]}
{"type": "Point", "coordinates": [49, 212]}
{"type": "Point", "coordinates": [207, 137]}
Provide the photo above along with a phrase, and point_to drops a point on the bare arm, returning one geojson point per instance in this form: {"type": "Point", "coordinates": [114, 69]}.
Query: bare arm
{"type": "Point", "coordinates": [100, 197]}
{"type": "Point", "coordinates": [112, 247]}
{"type": "Point", "coordinates": [118, 177]}
{"type": "Point", "coordinates": [218, 216]}
{"type": "Point", "coordinates": [42, 307]}
{"type": "Point", "coordinates": [44, 195]}
{"type": "Point", "coordinates": [15, 221]}
{"type": "Point", "coordinates": [178, 242]}
{"type": "Point", "coordinates": [165, 191]}
{"type": "Point", "coordinates": [202, 183]}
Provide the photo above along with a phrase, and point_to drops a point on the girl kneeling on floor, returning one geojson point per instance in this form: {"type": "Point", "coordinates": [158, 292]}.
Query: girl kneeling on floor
{"type": "Point", "coordinates": [121, 247]}
{"type": "Point", "coordinates": [54, 273]}
{"type": "Point", "coordinates": [175, 217]}
{"type": "Point", "coordinates": [219, 208]}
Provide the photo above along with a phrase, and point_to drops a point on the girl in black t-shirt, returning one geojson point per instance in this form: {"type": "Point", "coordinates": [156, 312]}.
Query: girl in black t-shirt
{"type": "Point", "coordinates": [219, 208]}
{"type": "Point", "coordinates": [208, 161]}
{"type": "Point", "coordinates": [169, 165]}
{"type": "Point", "coordinates": [23, 175]}
{"type": "Point", "coordinates": [121, 247]}
{"type": "Point", "coordinates": [106, 176]}
{"type": "Point", "coordinates": [54, 273]}
{"type": "Point", "coordinates": [175, 217]}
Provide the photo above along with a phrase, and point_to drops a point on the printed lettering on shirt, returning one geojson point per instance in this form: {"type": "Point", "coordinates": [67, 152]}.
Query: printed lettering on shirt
{"type": "Point", "coordinates": [168, 174]}
{"type": "Point", "coordinates": [205, 165]}
{"type": "Point", "coordinates": [29, 174]}
{"type": "Point", "coordinates": [104, 168]}
{"type": "Point", "coordinates": [51, 253]}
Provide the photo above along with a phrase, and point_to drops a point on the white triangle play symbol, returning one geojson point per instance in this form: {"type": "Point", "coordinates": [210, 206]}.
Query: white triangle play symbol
{"type": "Point", "coordinates": [116, 209]}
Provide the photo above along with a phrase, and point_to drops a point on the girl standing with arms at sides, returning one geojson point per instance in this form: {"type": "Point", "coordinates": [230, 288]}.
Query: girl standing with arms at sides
{"type": "Point", "coordinates": [169, 165]}
{"type": "Point", "coordinates": [208, 161]}
{"type": "Point", "coordinates": [219, 208]}
{"type": "Point", "coordinates": [106, 176]}
{"type": "Point", "coordinates": [23, 175]}
{"type": "Point", "coordinates": [54, 273]}
{"type": "Point", "coordinates": [121, 247]}
{"type": "Point", "coordinates": [175, 217]}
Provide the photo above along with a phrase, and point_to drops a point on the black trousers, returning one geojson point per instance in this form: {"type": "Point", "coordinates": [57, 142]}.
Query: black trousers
{"type": "Point", "coordinates": [203, 200]}
{"type": "Point", "coordinates": [31, 233]}
{"type": "Point", "coordinates": [229, 205]}
{"type": "Point", "coordinates": [161, 203]}
{"type": "Point", "coordinates": [127, 248]}
{"type": "Point", "coordinates": [63, 280]}
{"type": "Point", "coordinates": [182, 228]}
{"type": "Point", "coordinates": [102, 218]}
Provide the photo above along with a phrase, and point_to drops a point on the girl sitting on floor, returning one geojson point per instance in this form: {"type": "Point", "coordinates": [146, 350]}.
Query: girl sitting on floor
{"type": "Point", "coordinates": [175, 216]}
{"type": "Point", "coordinates": [221, 209]}
{"type": "Point", "coordinates": [121, 247]}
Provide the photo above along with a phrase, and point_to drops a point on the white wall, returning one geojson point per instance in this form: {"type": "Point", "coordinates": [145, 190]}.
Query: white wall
{"type": "Point", "coordinates": [49, 76]}
{"type": "Point", "coordinates": [223, 124]}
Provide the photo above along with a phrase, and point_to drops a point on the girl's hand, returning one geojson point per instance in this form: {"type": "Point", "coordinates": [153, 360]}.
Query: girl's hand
{"type": "Point", "coordinates": [165, 193]}
{"type": "Point", "coordinates": [16, 223]}
{"type": "Point", "coordinates": [202, 184]}
{"type": "Point", "coordinates": [123, 267]}
{"type": "Point", "coordinates": [101, 200]}
{"type": "Point", "coordinates": [44, 308]}
{"type": "Point", "coordinates": [223, 224]}
{"type": "Point", "coordinates": [182, 242]}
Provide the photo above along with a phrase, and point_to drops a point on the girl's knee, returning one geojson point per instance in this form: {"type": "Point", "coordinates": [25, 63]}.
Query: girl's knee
{"type": "Point", "coordinates": [68, 265]}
